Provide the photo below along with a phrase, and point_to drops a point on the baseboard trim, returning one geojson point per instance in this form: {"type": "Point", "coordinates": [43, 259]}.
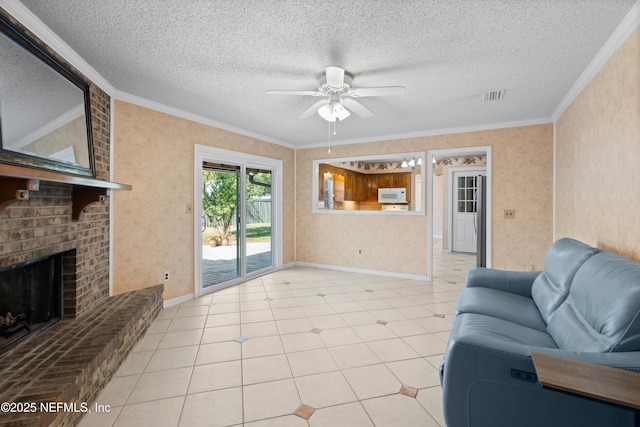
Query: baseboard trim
{"type": "Point", "coordinates": [178, 300]}
{"type": "Point", "coordinates": [364, 271]}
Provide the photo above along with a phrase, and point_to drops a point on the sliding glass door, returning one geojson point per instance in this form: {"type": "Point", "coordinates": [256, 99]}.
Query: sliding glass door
{"type": "Point", "coordinates": [238, 217]}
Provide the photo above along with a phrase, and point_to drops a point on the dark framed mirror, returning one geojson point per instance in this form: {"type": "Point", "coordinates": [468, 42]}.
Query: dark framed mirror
{"type": "Point", "coordinates": [45, 114]}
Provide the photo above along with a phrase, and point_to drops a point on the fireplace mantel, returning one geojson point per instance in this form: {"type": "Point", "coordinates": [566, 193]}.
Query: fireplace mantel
{"type": "Point", "coordinates": [16, 182]}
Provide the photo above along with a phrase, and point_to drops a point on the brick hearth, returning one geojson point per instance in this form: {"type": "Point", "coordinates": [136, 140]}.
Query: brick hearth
{"type": "Point", "coordinates": [73, 360]}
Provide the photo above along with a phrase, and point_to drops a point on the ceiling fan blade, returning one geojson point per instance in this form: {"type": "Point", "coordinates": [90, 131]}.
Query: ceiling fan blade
{"type": "Point", "coordinates": [294, 92]}
{"type": "Point", "coordinates": [335, 76]}
{"type": "Point", "coordinates": [357, 108]}
{"type": "Point", "coordinates": [313, 109]}
{"type": "Point", "coordinates": [361, 92]}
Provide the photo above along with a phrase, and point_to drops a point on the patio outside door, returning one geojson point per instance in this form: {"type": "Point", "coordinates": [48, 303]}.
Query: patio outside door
{"type": "Point", "coordinates": [238, 220]}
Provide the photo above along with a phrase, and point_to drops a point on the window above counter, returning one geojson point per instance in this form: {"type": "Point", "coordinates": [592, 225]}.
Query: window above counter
{"type": "Point", "coordinates": [352, 184]}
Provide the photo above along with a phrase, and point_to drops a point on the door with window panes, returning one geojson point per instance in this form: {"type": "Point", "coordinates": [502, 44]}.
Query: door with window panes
{"type": "Point", "coordinates": [464, 210]}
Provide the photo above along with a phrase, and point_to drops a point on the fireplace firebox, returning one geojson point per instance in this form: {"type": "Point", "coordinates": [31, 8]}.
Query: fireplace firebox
{"type": "Point", "coordinates": [30, 298]}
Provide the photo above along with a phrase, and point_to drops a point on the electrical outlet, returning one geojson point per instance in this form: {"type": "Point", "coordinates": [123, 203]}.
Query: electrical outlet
{"type": "Point", "coordinates": [509, 213]}
{"type": "Point", "coordinates": [166, 276]}
{"type": "Point", "coordinates": [359, 251]}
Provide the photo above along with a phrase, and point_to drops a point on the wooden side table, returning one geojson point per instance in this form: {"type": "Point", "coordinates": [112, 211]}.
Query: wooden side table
{"type": "Point", "coordinates": [604, 383]}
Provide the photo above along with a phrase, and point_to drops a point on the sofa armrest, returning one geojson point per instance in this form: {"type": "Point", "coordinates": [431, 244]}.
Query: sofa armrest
{"type": "Point", "coordinates": [515, 282]}
{"type": "Point", "coordinates": [628, 360]}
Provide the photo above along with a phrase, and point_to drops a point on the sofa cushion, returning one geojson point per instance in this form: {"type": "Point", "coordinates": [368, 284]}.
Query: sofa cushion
{"type": "Point", "coordinates": [498, 334]}
{"type": "Point", "coordinates": [561, 262]}
{"type": "Point", "coordinates": [502, 305]}
{"type": "Point", "coordinates": [602, 310]}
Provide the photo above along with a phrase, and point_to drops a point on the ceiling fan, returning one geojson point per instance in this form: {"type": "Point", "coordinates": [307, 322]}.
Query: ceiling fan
{"type": "Point", "coordinates": [338, 97]}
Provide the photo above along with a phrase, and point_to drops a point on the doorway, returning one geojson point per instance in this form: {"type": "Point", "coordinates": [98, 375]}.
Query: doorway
{"type": "Point", "coordinates": [238, 217]}
{"type": "Point", "coordinates": [437, 219]}
{"type": "Point", "coordinates": [464, 209]}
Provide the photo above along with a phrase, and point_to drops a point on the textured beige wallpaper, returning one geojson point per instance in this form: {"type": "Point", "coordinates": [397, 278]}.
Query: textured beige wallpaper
{"type": "Point", "coordinates": [152, 230]}
{"type": "Point", "coordinates": [598, 158]}
{"type": "Point", "coordinates": [522, 180]}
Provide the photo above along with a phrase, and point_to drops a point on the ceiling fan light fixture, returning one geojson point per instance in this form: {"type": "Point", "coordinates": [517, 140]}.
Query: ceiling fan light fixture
{"type": "Point", "coordinates": [332, 111]}
{"type": "Point", "coordinates": [326, 112]}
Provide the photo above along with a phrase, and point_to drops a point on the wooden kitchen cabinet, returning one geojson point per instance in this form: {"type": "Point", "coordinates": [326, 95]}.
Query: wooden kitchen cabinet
{"type": "Point", "coordinates": [385, 180]}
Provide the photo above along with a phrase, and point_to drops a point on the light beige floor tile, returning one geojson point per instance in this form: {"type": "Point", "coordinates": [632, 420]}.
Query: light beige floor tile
{"type": "Point", "coordinates": [225, 307]}
{"type": "Point", "coordinates": [159, 326]}
{"type": "Point", "coordinates": [400, 301]}
{"type": "Point", "coordinates": [218, 352]}
{"type": "Point", "coordinates": [134, 363]}
{"type": "Point", "coordinates": [167, 313]}
{"type": "Point", "coordinates": [171, 358]}
{"type": "Point", "coordinates": [292, 326]}
{"type": "Point", "coordinates": [326, 389]}
{"type": "Point", "coordinates": [223, 319]}
{"type": "Point", "coordinates": [311, 299]}
{"type": "Point", "coordinates": [339, 336]}
{"type": "Point", "coordinates": [117, 391]}
{"type": "Point", "coordinates": [224, 299]}
{"type": "Point", "coordinates": [100, 419]}
{"type": "Point", "coordinates": [148, 342]}
{"type": "Point", "coordinates": [318, 310]}
{"type": "Point", "coordinates": [373, 332]}
{"type": "Point", "coordinates": [213, 408]}
{"type": "Point", "coordinates": [361, 295]}
{"type": "Point", "coordinates": [286, 421]}
{"type": "Point", "coordinates": [215, 376]}
{"type": "Point", "coordinates": [435, 360]}
{"type": "Point", "coordinates": [393, 349]}
{"type": "Point", "coordinates": [328, 322]}
{"type": "Point", "coordinates": [311, 362]}
{"type": "Point", "coordinates": [398, 411]}
{"type": "Point", "coordinates": [405, 328]}
{"type": "Point", "coordinates": [307, 291]}
{"type": "Point", "coordinates": [415, 311]}
{"type": "Point", "coordinates": [301, 341]}
{"type": "Point", "coordinates": [347, 307]}
{"type": "Point", "coordinates": [288, 313]}
{"type": "Point", "coordinates": [255, 305]}
{"type": "Point", "coordinates": [347, 415]}
{"type": "Point", "coordinates": [387, 314]}
{"type": "Point", "coordinates": [259, 329]}
{"type": "Point", "coordinates": [417, 373]}
{"type": "Point", "coordinates": [186, 323]}
{"type": "Point", "coordinates": [434, 324]}
{"type": "Point", "coordinates": [284, 302]}
{"type": "Point", "coordinates": [431, 400]}
{"type": "Point", "coordinates": [372, 381]}
{"type": "Point", "coordinates": [194, 310]}
{"type": "Point", "coordinates": [336, 297]}
{"type": "Point", "coordinates": [180, 339]}
{"type": "Point", "coordinates": [262, 346]}
{"type": "Point", "coordinates": [220, 333]}
{"type": "Point", "coordinates": [374, 304]}
{"type": "Point", "coordinates": [160, 385]}
{"type": "Point", "coordinates": [441, 307]}
{"type": "Point", "coordinates": [424, 299]}
{"type": "Point", "coordinates": [353, 355]}
{"type": "Point", "coordinates": [270, 399]}
{"type": "Point", "coordinates": [158, 413]}
{"type": "Point", "coordinates": [285, 293]}
{"type": "Point", "coordinates": [253, 296]}
{"type": "Point", "coordinates": [266, 368]}
{"type": "Point", "coordinates": [358, 318]}
{"type": "Point", "coordinates": [256, 316]}
{"type": "Point", "coordinates": [426, 345]}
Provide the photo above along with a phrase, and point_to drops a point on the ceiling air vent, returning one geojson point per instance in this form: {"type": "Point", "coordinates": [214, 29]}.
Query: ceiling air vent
{"type": "Point", "coordinates": [496, 95]}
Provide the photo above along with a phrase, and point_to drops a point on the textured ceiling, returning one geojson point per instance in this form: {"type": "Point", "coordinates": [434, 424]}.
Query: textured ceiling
{"type": "Point", "coordinates": [216, 58]}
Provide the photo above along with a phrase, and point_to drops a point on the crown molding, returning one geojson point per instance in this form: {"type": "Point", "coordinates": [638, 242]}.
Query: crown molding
{"type": "Point", "coordinates": [435, 132]}
{"type": "Point", "coordinates": [51, 39]}
{"type": "Point", "coordinates": [629, 24]}
{"type": "Point", "coordinates": [163, 108]}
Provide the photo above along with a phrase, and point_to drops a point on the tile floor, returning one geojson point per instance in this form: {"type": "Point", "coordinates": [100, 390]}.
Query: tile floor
{"type": "Point", "coordinates": [298, 347]}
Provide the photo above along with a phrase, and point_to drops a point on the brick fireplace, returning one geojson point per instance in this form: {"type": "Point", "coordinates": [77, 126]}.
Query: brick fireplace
{"type": "Point", "coordinates": [71, 360]}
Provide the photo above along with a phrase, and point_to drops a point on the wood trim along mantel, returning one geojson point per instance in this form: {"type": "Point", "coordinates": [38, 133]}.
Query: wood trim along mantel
{"type": "Point", "coordinates": [17, 181]}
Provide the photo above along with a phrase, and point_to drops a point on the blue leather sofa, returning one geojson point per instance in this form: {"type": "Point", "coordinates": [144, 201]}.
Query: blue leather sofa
{"type": "Point", "coordinates": [585, 305]}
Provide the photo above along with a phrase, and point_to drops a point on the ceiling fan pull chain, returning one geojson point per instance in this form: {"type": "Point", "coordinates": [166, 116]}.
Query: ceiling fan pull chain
{"type": "Point", "coordinates": [329, 150]}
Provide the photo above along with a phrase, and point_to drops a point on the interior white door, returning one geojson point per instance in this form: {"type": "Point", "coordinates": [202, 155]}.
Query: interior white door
{"type": "Point", "coordinates": [464, 208]}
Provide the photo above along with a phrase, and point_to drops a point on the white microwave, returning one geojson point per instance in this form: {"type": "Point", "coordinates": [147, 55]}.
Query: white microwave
{"type": "Point", "coordinates": [392, 195]}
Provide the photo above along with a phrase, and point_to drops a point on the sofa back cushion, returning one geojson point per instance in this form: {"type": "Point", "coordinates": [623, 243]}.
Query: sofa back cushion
{"type": "Point", "coordinates": [561, 262]}
{"type": "Point", "coordinates": [602, 311]}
